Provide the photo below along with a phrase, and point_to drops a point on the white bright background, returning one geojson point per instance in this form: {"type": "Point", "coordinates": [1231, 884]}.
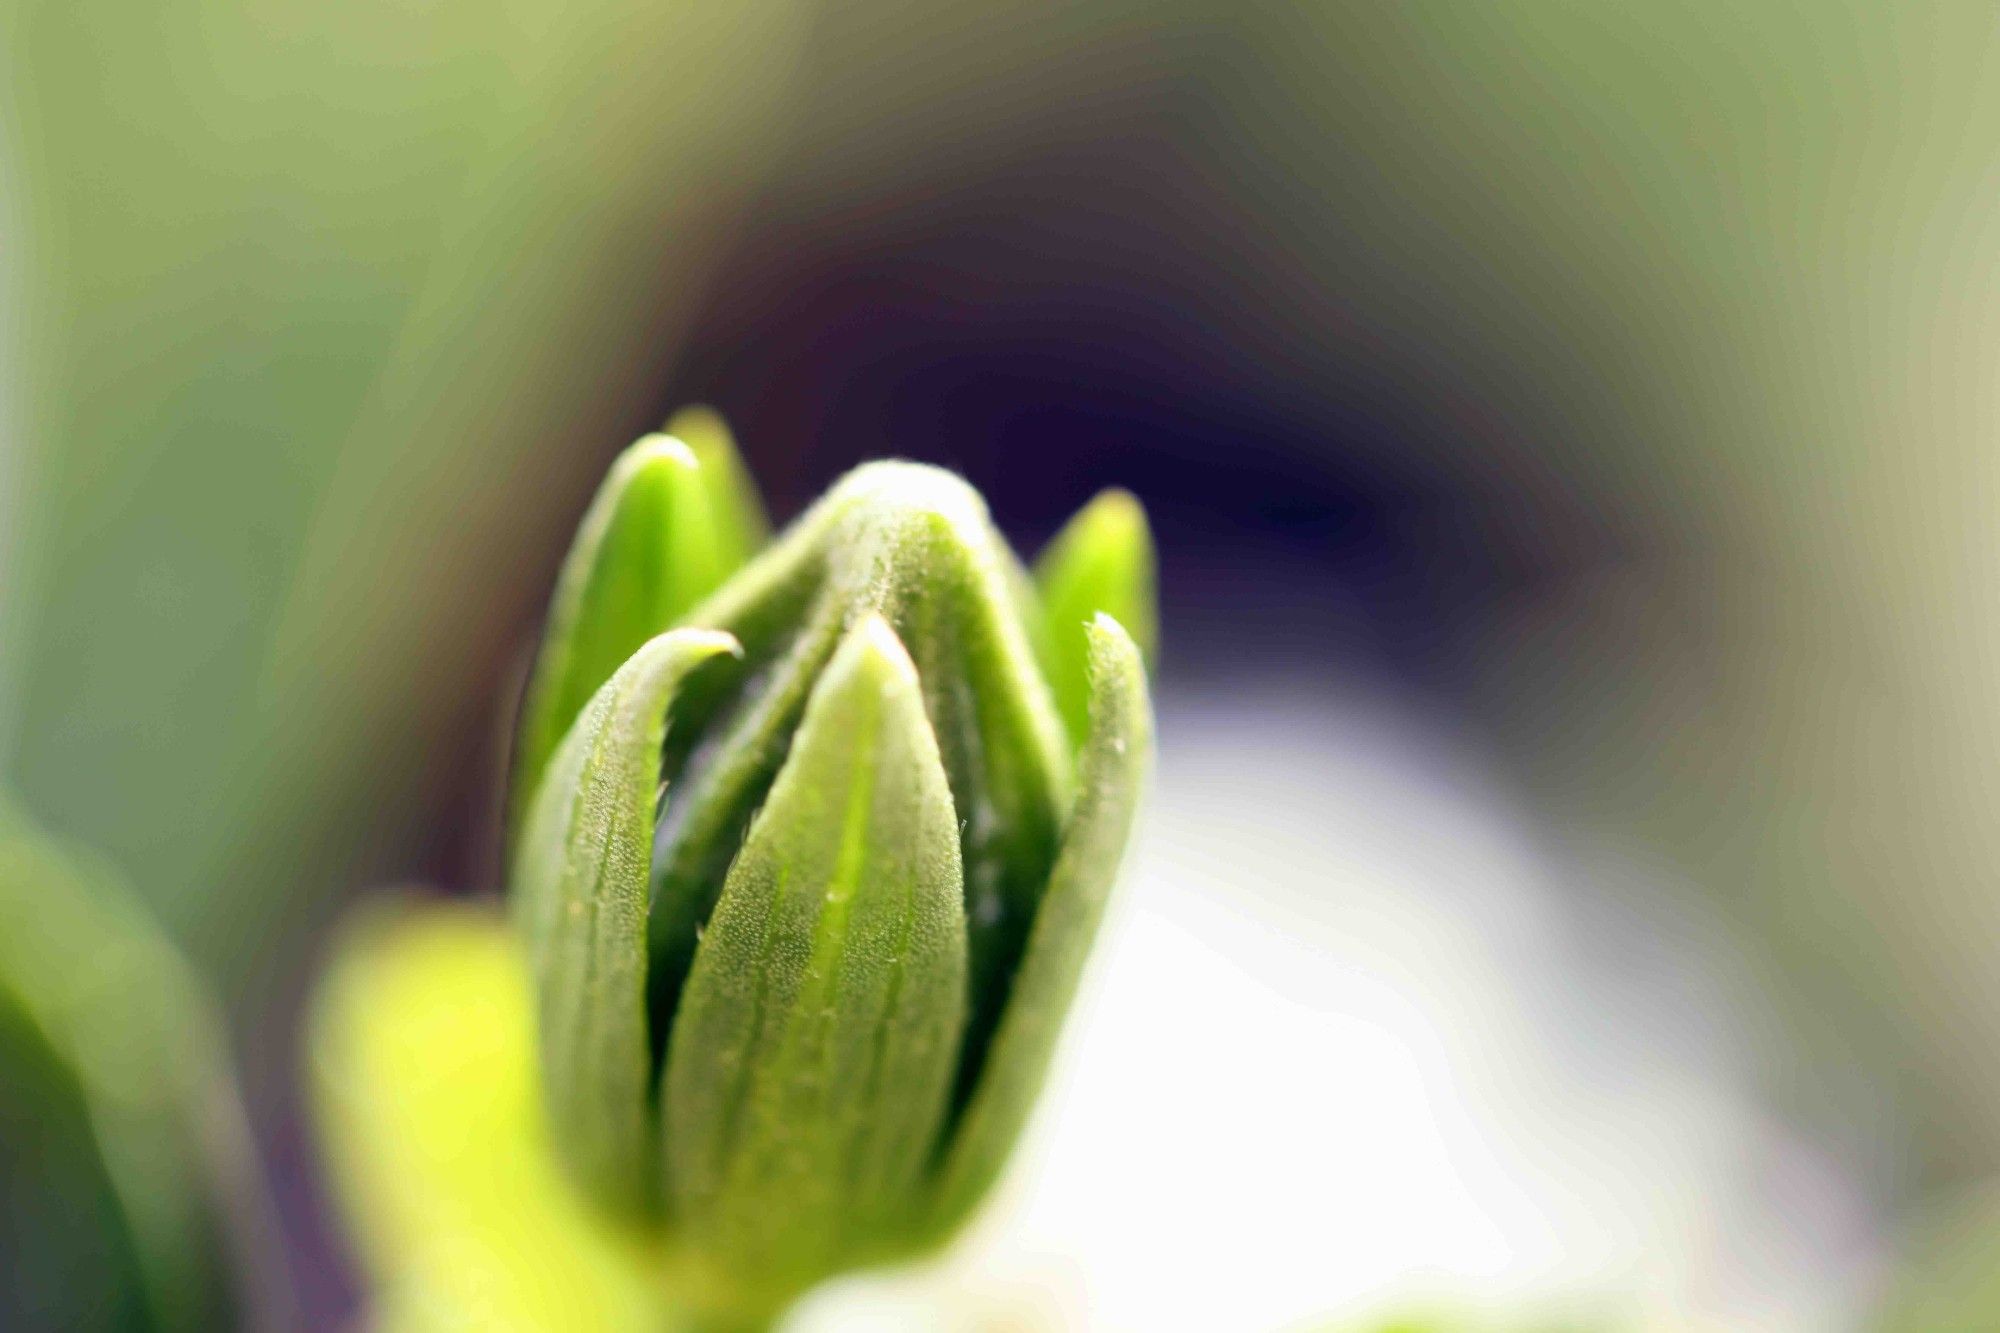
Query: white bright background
{"type": "Point", "coordinates": [1354, 1043]}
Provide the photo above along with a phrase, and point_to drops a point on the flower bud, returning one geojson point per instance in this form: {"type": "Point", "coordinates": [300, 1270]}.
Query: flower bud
{"type": "Point", "coordinates": [809, 879]}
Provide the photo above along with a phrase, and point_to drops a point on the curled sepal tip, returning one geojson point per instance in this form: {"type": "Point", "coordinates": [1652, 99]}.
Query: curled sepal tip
{"type": "Point", "coordinates": [812, 1056]}
{"type": "Point", "coordinates": [1102, 561]}
{"type": "Point", "coordinates": [654, 542]}
{"type": "Point", "coordinates": [741, 526]}
{"type": "Point", "coordinates": [580, 893]}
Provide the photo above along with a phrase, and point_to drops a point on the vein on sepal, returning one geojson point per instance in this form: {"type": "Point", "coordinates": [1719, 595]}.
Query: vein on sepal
{"type": "Point", "coordinates": [812, 1055]}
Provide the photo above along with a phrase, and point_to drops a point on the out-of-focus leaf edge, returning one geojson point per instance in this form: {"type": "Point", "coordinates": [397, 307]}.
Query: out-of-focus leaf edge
{"type": "Point", "coordinates": [82, 960]}
{"type": "Point", "coordinates": [422, 1065]}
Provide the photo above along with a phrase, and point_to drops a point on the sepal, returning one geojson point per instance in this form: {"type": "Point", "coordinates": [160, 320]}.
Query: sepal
{"type": "Point", "coordinates": [667, 527]}
{"type": "Point", "coordinates": [1101, 561]}
{"type": "Point", "coordinates": [1115, 764]}
{"type": "Point", "coordinates": [580, 895]}
{"type": "Point", "coordinates": [812, 1056]}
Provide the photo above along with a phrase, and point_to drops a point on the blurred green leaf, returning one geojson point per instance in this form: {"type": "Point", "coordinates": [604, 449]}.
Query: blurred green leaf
{"type": "Point", "coordinates": [117, 1086]}
{"type": "Point", "coordinates": [812, 1056]}
{"type": "Point", "coordinates": [298, 375]}
{"type": "Point", "coordinates": [70, 1258]}
{"type": "Point", "coordinates": [581, 896]}
{"type": "Point", "coordinates": [422, 1045]}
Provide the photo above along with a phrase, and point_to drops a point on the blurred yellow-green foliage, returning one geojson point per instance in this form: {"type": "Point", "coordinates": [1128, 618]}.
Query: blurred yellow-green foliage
{"type": "Point", "coordinates": [1950, 1276]}
{"type": "Point", "coordinates": [423, 1061]}
{"type": "Point", "coordinates": [309, 308]}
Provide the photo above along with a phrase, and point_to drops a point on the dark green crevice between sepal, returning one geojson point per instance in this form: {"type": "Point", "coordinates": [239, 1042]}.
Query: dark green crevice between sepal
{"type": "Point", "coordinates": [913, 544]}
{"type": "Point", "coordinates": [580, 900]}
{"type": "Point", "coordinates": [1113, 768]}
{"type": "Point", "coordinates": [813, 1051]}
{"type": "Point", "coordinates": [675, 517]}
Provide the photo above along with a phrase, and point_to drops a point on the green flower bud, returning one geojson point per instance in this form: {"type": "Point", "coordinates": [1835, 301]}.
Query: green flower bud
{"type": "Point", "coordinates": [808, 881]}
